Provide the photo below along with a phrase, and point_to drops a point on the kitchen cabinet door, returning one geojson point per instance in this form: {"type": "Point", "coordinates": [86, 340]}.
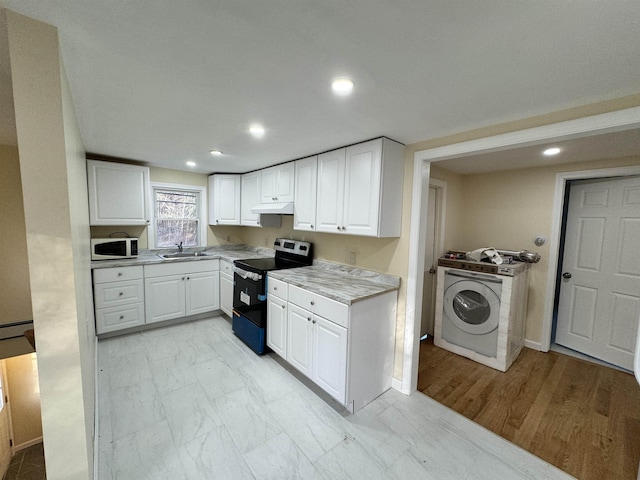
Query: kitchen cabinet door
{"type": "Point", "coordinates": [202, 292]}
{"type": "Point", "coordinates": [330, 357]}
{"type": "Point", "coordinates": [224, 199]}
{"type": "Point", "coordinates": [164, 297]}
{"type": "Point", "coordinates": [306, 180]}
{"type": "Point", "coordinates": [119, 194]}
{"type": "Point", "coordinates": [300, 339]}
{"type": "Point", "coordinates": [277, 185]}
{"type": "Point", "coordinates": [277, 325]}
{"type": "Point", "coordinates": [330, 191]}
{"type": "Point", "coordinates": [226, 293]}
{"type": "Point", "coordinates": [362, 189]}
{"type": "Point", "coordinates": [250, 197]}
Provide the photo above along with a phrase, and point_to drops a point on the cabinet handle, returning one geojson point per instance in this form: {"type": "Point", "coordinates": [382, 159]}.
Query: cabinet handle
{"type": "Point", "coordinates": [217, 221]}
{"type": "Point", "coordinates": [312, 302]}
{"type": "Point", "coordinates": [275, 288]}
{"type": "Point", "coordinates": [313, 321]}
{"type": "Point", "coordinates": [311, 226]}
{"type": "Point", "coordinates": [121, 317]}
{"type": "Point", "coordinates": [121, 293]}
{"type": "Point", "coordinates": [283, 307]}
{"type": "Point", "coordinates": [119, 274]}
{"type": "Point", "coordinates": [338, 227]}
{"type": "Point", "coordinates": [183, 279]}
{"type": "Point", "coordinates": [308, 319]}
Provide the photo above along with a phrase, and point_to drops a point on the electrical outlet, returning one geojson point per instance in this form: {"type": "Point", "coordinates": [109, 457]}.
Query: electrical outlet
{"type": "Point", "coordinates": [352, 258]}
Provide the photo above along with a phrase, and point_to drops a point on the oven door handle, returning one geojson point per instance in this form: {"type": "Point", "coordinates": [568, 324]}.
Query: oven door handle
{"type": "Point", "coordinates": [245, 274]}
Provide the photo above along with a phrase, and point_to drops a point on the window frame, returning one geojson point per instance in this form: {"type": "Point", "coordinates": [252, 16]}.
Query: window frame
{"type": "Point", "coordinates": [201, 191]}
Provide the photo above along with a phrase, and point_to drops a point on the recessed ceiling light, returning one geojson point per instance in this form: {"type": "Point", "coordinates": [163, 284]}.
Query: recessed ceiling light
{"type": "Point", "coordinates": [191, 163]}
{"type": "Point", "coordinates": [342, 86]}
{"type": "Point", "coordinates": [256, 130]}
{"type": "Point", "coordinates": [215, 153]}
{"type": "Point", "coordinates": [551, 151]}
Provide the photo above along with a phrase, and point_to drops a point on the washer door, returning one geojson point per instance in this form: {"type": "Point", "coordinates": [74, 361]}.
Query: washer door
{"type": "Point", "coordinates": [472, 307]}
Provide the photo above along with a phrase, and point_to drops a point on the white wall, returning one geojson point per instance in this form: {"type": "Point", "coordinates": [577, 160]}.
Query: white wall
{"type": "Point", "coordinates": [56, 219]}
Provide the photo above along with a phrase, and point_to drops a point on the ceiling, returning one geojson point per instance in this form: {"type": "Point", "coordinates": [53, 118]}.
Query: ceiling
{"type": "Point", "coordinates": [164, 82]}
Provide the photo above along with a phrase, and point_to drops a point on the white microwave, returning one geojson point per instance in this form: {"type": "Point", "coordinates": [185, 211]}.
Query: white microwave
{"type": "Point", "coordinates": [113, 248]}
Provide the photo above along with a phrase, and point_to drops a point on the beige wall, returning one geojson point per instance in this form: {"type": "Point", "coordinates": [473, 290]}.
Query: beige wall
{"type": "Point", "coordinates": [56, 220]}
{"type": "Point", "coordinates": [511, 216]}
{"type": "Point", "coordinates": [15, 301]}
{"type": "Point", "coordinates": [24, 392]}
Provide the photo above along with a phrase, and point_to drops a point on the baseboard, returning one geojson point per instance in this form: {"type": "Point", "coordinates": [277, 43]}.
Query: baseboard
{"type": "Point", "coordinates": [28, 444]}
{"type": "Point", "coordinates": [533, 345]}
{"type": "Point", "coordinates": [397, 385]}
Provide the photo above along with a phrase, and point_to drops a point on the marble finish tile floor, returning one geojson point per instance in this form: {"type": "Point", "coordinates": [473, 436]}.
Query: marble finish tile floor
{"type": "Point", "coordinates": [191, 402]}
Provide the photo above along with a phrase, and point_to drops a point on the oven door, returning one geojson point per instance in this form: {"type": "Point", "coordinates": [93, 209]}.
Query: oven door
{"type": "Point", "coordinates": [249, 297]}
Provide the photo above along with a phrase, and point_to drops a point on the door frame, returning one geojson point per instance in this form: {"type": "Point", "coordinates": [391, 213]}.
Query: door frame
{"type": "Point", "coordinates": [620, 120]}
{"type": "Point", "coordinates": [557, 231]}
{"type": "Point", "coordinates": [440, 187]}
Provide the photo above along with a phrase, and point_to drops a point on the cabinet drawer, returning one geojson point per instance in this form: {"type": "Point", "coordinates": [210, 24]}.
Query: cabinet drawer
{"type": "Point", "coordinates": [325, 307]}
{"type": "Point", "coordinates": [104, 275]}
{"type": "Point", "coordinates": [118, 293]}
{"type": "Point", "coordinates": [179, 268]}
{"type": "Point", "coordinates": [226, 267]}
{"type": "Point", "coordinates": [277, 287]}
{"type": "Point", "coordinates": [118, 318]}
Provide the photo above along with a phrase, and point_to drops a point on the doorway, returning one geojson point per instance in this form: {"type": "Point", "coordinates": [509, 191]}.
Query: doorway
{"type": "Point", "coordinates": [597, 291]}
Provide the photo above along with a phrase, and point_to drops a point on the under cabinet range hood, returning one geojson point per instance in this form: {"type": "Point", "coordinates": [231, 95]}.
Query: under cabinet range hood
{"type": "Point", "coordinates": [284, 208]}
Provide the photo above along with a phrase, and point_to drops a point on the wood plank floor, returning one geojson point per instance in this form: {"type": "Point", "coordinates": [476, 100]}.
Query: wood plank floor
{"type": "Point", "coordinates": [581, 417]}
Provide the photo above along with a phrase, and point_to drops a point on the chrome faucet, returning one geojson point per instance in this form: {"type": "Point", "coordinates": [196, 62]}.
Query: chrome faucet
{"type": "Point", "coordinates": [179, 245]}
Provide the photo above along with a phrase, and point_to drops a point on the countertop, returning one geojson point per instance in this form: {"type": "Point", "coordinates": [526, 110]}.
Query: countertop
{"type": "Point", "coordinates": [223, 252]}
{"type": "Point", "coordinates": [341, 283]}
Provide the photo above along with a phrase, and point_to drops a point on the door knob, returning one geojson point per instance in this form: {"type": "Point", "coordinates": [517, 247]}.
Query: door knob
{"type": "Point", "coordinates": [566, 275]}
{"type": "Point", "coordinates": [432, 270]}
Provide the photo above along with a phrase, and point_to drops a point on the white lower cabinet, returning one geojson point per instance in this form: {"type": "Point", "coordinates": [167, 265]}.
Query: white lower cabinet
{"type": "Point", "coordinates": [181, 289]}
{"type": "Point", "coordinates": [347, 350]}
{"type": "Point", "coordinates": [226, 287]}
{"type": "Point", "coordinates": [277, 316]}
{"type": "Point", "coordinates": [119, 298]}
{"type": "Point", "coordinates": [277, 325]}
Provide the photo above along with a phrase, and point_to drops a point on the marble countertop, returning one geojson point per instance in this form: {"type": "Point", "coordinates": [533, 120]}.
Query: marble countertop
{"type": "Point", "coordinates": [223, 252]}
{"type": "Point", "coordinates": [341, 283]}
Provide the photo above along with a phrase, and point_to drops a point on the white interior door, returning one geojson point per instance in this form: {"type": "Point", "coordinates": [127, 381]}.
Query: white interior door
{"type": "Point", "coordinates": [5, 431]}
{"type": "Point", "coordinates": [430, 259]}
{"type": "Point", "coordinates": [599, 305]}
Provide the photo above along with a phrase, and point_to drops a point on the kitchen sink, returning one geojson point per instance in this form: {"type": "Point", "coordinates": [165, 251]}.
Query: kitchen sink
{"type": "Point", "coordinates": [173, 256]}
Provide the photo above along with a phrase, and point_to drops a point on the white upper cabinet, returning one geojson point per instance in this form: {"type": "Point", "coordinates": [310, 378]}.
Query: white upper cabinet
{"type": "Point", "coordinates": [278, 184]}
{"type": "Point", "coordinates": [330, 194]}
{"type": "Point", "coordinates": [119, 194]}
{"type": "Point", "coordinates": [306, 179]}
{"type": "Point", "coordinates": [360, 189]}
{"type": "Point", "coordinates": [224, 199]}
{"type": "Point", "coordinates": [250, 198]}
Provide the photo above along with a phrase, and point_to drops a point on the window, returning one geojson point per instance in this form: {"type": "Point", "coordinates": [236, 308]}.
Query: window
{"type": "Point", "coordinates": [177, 216]}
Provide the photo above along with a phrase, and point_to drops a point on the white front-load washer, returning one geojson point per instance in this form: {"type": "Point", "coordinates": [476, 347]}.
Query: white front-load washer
{"type": "Point", "coordinates": [471, 311]}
